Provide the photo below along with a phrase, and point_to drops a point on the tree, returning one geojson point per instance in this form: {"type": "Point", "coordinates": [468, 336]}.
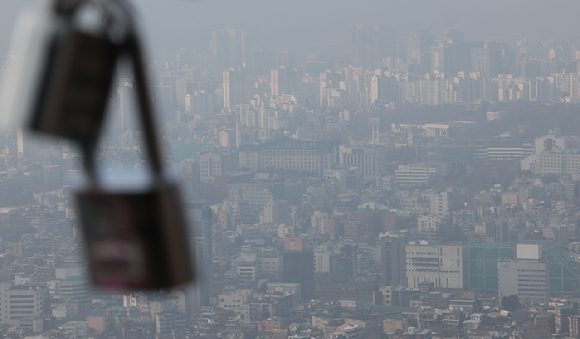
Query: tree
{"type": "Point", "coordinates": [510, 303]}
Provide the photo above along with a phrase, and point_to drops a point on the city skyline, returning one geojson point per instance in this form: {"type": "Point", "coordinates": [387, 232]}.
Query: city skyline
{"type": "Point", "coordinates": [347, 170]}
{"type": "Point", "coordinates": [169, 24]}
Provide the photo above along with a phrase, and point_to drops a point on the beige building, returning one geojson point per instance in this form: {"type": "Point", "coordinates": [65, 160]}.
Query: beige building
{"type": "Point", "coordinates": [217, 162]}
{"type": "Point", "coordinates": [509, 198]}
{"type": "Point", "coordinates": [97, 321]}
{"type": "Point", "coordinates": [18, 302]}
{"type": "Point", "coordinates": [320, 221]}
{"type": "Point", "coordinates": [429, 223]}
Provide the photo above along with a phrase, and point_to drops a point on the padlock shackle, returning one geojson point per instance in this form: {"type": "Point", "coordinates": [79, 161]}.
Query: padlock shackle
{"type": "Point", "coordinates": [145, 105]}
{"type": "Point", "coordinates": [133, 49]}
{"type": "Point", "coordinates": [65, 7]}
{"type": "Point", "coordinates": [129, 45]}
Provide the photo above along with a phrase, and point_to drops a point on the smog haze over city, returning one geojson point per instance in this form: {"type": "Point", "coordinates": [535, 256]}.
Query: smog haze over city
{"type": "Point", "coordinates": [393, 169]}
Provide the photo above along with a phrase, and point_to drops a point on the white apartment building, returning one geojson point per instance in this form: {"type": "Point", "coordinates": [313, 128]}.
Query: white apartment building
{"type": "Point", "coordinates": [440, 203]}
{"type": "Point", "coordinates": [428, 223]}
{"type": "Point", "coordinates": [441, 264]}
{"type": "Point", "coordinates": [528, 276]}
{"type": "Point", "coordinates": [320, 221]}
{"type": "Point", "coordinates": [568, 83]}
{"type": "Point", "coordinates": [322, 261]}
{"type": "Point", "coordinates": [323, 258]}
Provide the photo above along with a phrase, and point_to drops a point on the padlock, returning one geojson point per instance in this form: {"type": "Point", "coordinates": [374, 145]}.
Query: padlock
{"type": "Point", "coordinates": [136, 235]}
{"type": "Point", "coordinates": [136, 238]}
{"type": "Point", "coordinates": [77, 79]}
{"type": "Point", "coordinates": [75, 61]}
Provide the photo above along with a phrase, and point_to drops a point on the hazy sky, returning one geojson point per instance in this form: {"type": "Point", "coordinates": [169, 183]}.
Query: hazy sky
{"type": "Point", "coordinates": [312, 25]}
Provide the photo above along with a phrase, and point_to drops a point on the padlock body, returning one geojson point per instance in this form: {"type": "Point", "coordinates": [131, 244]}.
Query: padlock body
{"type": "Point", "coordinates": [136, 240]}
{"type": "Point", "coordinates": [75, 85]}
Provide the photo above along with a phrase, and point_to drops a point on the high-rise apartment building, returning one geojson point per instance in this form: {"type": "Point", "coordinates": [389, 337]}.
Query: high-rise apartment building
{"type": "Point", "coordinates": [202, 103]}
{"type": "Point", "coordinates": [483, 60]}
{"type": "Point", "coordinates": [236, 86]}
{"type": "Point", "coordinates": [298, 265]}
{"type": "Point", "coordinates": [247, 116]}
{"type": "Point", "coordinates": [419, 42]}
{"type": "Point", "coordinates": [125, 121]}
{"type": "Point", "coordinates": [274, 82]}
{"type": "Point", "coordinates": [359, 47]}
{"type": "Point", "coordinates": [285, 58]}
{"type": "Point", "coordinates": [393, 267]}
{"type": "Point", "coordinates": [228, 48]}
{"type": "Point", "coordinates": [371, 48]}
{"type": "Point", "coordinates": [201, 245]}
{"type": "Point", "coordinates": [438, 58]}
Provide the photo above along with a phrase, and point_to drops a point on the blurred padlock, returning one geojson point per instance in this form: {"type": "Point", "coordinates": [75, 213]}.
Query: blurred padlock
{"type": "Point", "coordinates": [77, 77]}
{"type": "Point", "coordinates": [136, 235]}
{"type": "Point", "coordinates": [136, 238]}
